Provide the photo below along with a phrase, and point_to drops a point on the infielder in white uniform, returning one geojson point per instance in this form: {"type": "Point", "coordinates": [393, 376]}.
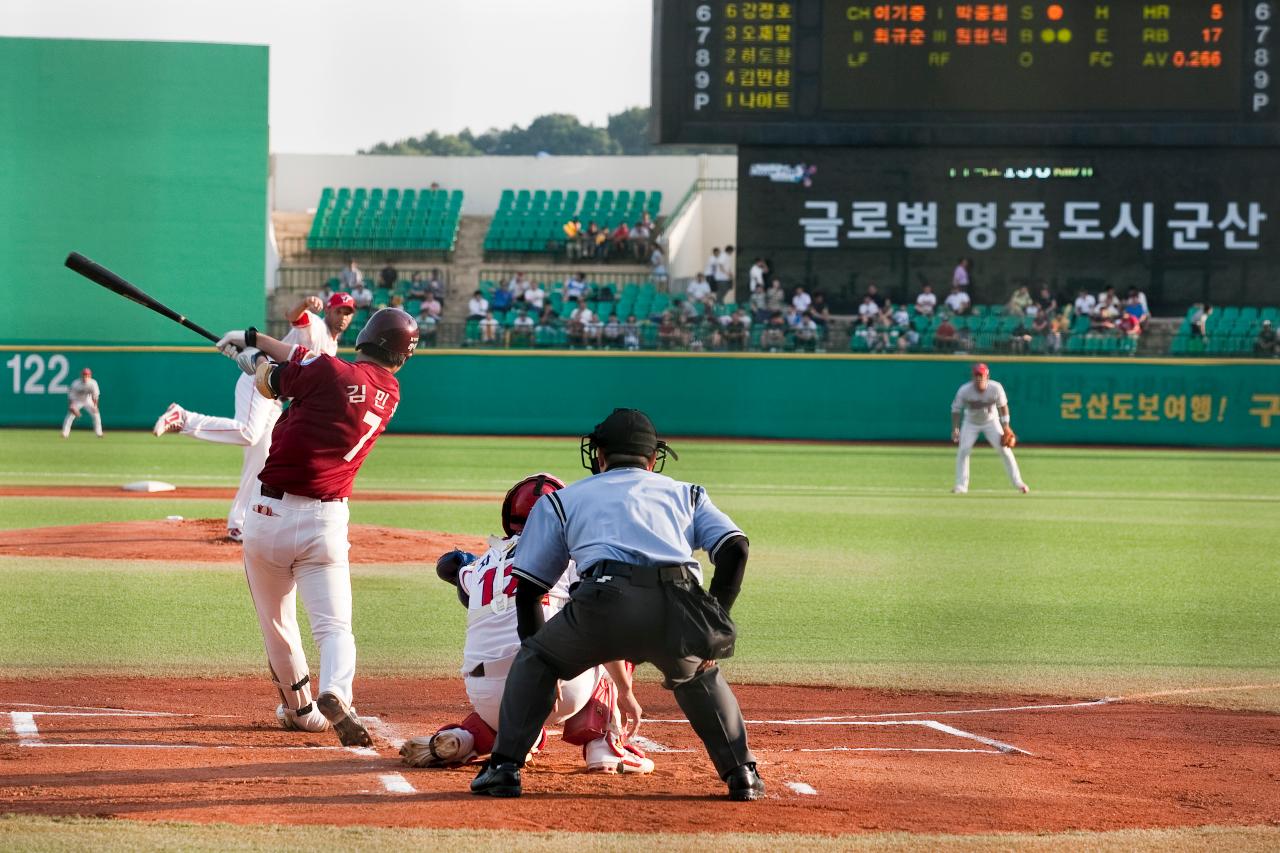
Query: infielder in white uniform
{"type": "Point", "coordinates": [587, 705]}
{"type": "Point", "coordinates": [984, 410]}
{"type": "Point", "coordinates": [83, 394]}
{"type": "Point", "coordinates": [256, 415]}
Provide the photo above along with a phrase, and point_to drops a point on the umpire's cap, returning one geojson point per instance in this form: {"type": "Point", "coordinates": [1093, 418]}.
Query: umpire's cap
{"type": "Point", "coordinates": [625, 431]}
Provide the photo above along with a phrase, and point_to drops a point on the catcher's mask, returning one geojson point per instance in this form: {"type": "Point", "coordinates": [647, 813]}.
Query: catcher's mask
{"type": "Point", "coordinates": [625, 431]}
{"type": "Point", "coordinates": [521, 498]}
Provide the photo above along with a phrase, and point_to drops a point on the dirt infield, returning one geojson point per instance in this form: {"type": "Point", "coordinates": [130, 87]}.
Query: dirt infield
{"type": "Point", "coordinates": [849, 761]}
{"type": "Point", "coordinates": [204, 541]}
{"type": "Point", "coordinates": [212, 493]}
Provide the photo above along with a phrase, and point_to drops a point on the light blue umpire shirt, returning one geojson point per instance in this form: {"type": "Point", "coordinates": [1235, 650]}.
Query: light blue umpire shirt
{"type": "Point", "coordinates": [628, 515]}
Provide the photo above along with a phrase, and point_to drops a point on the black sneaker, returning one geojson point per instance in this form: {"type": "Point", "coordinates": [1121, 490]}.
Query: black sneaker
{"type": "Point", "coordinates": [351, 732]}
{"type": "Point", "coordinates": [497, 780]}
{"type": "Point", "coordinates": [744, 783]}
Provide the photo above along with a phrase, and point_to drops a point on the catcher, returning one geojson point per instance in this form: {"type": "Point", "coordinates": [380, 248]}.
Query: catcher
{"type": "Point", "coordinates": [590, 706]}
{"type": "Point", "coordinates": [984, 409]}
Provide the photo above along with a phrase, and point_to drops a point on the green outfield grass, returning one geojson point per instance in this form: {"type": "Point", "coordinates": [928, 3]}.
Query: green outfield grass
{"type": "Point", "coordinates": [1125, 570]}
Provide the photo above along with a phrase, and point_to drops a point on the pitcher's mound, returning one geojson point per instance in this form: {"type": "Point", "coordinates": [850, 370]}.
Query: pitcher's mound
{"type": "Point", "coordinates": [203, 540]}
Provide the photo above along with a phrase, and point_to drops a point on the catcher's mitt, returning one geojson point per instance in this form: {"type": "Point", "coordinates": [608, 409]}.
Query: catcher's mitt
{"type": "Point", "coordinates": [1008, 439]}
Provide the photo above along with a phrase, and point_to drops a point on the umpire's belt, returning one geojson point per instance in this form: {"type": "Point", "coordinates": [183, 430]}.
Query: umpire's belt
{"type": "Point", "coordinates": [639, 575]}
{"type": "Point", "coordinates": [268, 492]}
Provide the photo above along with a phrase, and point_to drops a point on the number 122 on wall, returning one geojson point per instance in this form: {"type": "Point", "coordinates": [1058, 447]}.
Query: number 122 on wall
{"type": "Point", "coordinates": [33, 367]}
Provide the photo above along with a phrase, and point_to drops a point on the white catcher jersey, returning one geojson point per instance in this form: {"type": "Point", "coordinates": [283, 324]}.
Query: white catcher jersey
{"type": "Point", "coordinates": [83, 390]}
{"type": "Point", "coordinates": [312, 333]}
{"type": "Point", "coordinates": [491, 603]}
{"type": "Point", "coordinates": [979, 406]}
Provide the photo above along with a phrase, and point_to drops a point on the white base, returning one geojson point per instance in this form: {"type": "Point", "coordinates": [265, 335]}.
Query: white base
{"type": "Point", "coordinates": [149, 486]}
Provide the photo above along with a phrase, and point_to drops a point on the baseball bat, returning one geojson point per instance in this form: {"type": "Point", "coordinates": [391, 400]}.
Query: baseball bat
{"type": "Point", "coordinates": [77, 262]}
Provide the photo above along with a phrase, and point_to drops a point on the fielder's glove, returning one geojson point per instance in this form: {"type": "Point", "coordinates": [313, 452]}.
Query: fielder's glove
{"type": "Point", "coordinates": [1008, 440]}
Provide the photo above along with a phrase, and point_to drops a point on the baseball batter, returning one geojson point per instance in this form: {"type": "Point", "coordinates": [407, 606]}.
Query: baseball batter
{"type": "Point", "coordinates": [981, 408]}
{"type": "Point", "coordinates": [295, 534]}
{"type": "Point", "coordinates": [255, 415]}
{"type": "Point", "coordinates": [83, 394]}
{"type": "Point", "coordinates": [586, 705]}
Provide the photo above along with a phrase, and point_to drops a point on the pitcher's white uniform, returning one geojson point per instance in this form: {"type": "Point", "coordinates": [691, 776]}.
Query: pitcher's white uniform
{"type": "Point", "coordinates": [83, 394]}
{"type": "Point", "coordinates": [981, 417]}
{"type": "Point", "coordinates": [255, 417]}
{"type": "Point", "coordinates": [492, 641]}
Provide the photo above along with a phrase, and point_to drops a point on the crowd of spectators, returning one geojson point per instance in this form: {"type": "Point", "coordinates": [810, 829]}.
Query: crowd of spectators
{"type": "Point", "coordinates": [635, 242]}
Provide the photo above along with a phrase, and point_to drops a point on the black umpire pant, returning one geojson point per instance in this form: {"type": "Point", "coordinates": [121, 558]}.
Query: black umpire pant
{"type": "Point", "coordinates": [617, 617]}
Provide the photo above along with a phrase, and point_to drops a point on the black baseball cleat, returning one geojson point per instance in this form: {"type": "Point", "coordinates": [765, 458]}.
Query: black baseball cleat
{"type": "Point", "coordinates": [497, 780]}
{"type": "Point", "coordinates": [351, 732]}
{"type": "Point", "coordinates": [744, 783]}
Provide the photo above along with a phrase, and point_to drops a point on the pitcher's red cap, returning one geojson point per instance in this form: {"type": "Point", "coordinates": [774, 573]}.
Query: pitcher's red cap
{"type": "Point", "coordinates": [981, 369]}
{"type": "Point", "coordinates": [342, 300]}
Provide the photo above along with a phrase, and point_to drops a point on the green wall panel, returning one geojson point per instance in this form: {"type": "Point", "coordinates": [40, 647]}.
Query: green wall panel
{"type": "Point", "coordinates": [149, 157]}
{"type": "Point", "coordinates": [1201, 403]}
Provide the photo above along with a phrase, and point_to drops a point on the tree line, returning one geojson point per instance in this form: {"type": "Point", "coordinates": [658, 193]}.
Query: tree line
{"type": "Point", "coordinates": [560, 134]}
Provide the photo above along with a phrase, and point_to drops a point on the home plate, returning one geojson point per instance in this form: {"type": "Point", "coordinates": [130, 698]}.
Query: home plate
{"type": "Point", "coordinates": [149, 486]}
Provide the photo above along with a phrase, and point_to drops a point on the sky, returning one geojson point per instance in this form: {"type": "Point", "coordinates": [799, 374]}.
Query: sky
{"type": "Point", "coordinates": [346, 74]}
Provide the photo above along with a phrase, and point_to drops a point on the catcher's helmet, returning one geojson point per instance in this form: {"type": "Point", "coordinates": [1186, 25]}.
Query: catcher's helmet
{"type": "Point", "coordinates": [627, 431]}
{"type": "Point", "coordinates": [521, 498]}
{"type": "Point", "coordinates": [391, 329]}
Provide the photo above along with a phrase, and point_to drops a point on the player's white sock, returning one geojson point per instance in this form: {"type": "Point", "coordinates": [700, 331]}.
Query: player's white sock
{"type": "Point", "coordinates": [66, 425]}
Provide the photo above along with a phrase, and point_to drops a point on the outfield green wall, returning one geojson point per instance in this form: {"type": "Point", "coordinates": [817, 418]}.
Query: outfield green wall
{"type": "Point", "coordinates": [151, 158]}
{"type": "Point", "coordinates": [1200, 403]}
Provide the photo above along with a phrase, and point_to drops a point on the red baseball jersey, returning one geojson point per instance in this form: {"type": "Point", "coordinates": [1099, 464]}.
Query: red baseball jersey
{"type": "Point", "coordinates": [339, 409]}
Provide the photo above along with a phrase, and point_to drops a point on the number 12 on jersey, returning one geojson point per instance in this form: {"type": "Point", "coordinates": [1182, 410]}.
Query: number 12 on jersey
{"type": "Point", "coordinates": [487, 582]}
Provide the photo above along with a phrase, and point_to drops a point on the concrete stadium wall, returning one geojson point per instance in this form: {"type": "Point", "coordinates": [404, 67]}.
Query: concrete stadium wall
{"type": "Point", "coordinates": [151, 159]}
{"type": "Point", "coordinates": [299, 178]}
{"type": "Point", "coordinates": [1194, 403]}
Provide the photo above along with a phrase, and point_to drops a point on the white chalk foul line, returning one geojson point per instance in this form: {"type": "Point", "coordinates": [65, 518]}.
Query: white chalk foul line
{"type": "Point", "coordinates": [1006, 748]}
{"type": "Point", "coordinates": [653, 746]}
{"type": "Point", "coordinates": [396, 784]}
{"type": "Point", "coordinates": [803, 788]}
{"type": "Point", "coordinates": [384, 730]}
{"type": "Point", "coordinates": [74, 711]}
{"type": "Point", "coordinates": [1000, 746]}
{"type": "Point", "coordinates": [265, 747]}
{"type": "Point", "coordinates": [884, 749]}
{"type": "Point", "coordinates": [24, 726]}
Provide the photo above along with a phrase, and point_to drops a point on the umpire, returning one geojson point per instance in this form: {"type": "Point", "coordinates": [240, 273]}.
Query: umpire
{"type": "Point", "coordinates": [632, 533]}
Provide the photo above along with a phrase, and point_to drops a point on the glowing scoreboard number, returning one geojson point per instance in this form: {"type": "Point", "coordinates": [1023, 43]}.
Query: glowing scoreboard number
{"type": "Point", "coordinates": [1085, 72]}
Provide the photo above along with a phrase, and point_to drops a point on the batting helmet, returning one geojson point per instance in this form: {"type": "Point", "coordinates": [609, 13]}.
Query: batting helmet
{"type": "Point", "coordinates": [521, 498]}
{"type": "Point", "coordinates": [391, 330]}
{"type": "Point", "coordinates": [626, 431]}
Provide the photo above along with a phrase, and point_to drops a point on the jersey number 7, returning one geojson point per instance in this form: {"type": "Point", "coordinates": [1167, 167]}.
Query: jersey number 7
{"type": "Point", "coordinates": [374, 422]}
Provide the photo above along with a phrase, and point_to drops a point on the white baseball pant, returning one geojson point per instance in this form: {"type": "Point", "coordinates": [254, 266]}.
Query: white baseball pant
{"type": "Point", "coordinates": [993, 431]}
{"type": "Point", "coordinates": [571, 696]}
{"type": "Point", "coordinates": [251, 428]}
{"type": "Point", "coordinates": [298, 546]}
{"type": "Point", "coordinates": [75, 413]}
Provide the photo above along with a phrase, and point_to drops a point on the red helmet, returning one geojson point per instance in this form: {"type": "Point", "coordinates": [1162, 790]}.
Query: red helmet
{"type": "Point", "coordinates": [521, 498]}
{"type": "Point", "coordinates": [392, 329]}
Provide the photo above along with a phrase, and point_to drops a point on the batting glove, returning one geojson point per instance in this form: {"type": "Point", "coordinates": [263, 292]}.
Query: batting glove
{"type": "Point", "coordinates": [248, 360]}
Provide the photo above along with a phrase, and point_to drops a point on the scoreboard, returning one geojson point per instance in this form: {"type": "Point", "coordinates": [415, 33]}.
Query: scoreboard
{"type": "Point", "coordinates": [1070, 72]}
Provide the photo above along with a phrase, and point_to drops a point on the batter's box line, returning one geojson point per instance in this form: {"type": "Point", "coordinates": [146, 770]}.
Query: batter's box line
{"type": "Point", "coordinates": [998, 745]}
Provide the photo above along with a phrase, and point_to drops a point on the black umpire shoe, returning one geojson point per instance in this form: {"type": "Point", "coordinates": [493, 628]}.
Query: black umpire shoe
{"type": "Point", "coordinates": [744, 783]}
{"type": "Point", "coordinates": [497, 780]}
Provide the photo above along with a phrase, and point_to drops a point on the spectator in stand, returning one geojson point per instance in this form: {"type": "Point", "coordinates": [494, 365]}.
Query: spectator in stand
{"type": "Point", "coordinates": [612, 332]}
{"type": "Point", "coordinates": [945, 337]}
{"type": "Point", "coordinates": [522, 329]}
{"type": "Point", "coordinates": [350, 275]}
{"type": "Point", "coordinates": [868, 311]}
{"type": "Point", "coordinates": [658, 266]}
{"type": "Point", "coordinates": [431, 307]}
{"type": "Point", "coordinates": [960, 276]}
{"type": "Point", "coordinates": [1020, 337]}
{"type": "Point", "coordinates": [574, 242]}
{"type": "Point", "coordinates": [684, 311]}
{"type": "Point", "coordinates": [1045, 302]}
{"type": "Point", "coordinates": [1104, 317]}
{"type": "Point", "coordinates": [876, 295]}
{"type": "Point", "coordinates": [759, 305]}
{"type": "Point", "coordinates": [717, 272]}
{"type": "Point", "coordinates": [818, 310]}
{"type": "Point", "coordinates": [599, 238]}
{"type": "Point", "coordinates": [435, 286]}
{"type": "Point", "coordinates": [576, 328]}
{"type": "Point", "coordinates": [1085, 304]}
{"type": "Point", "coordinates": [775, 299]}
{"type": "Point", "coordinates": [801, 300]}
{"type": "Point", "coordinates": [489, 329]}
{"type": "Point", "coordinates": [1267, 343]}
{"type": "Point", "coordinates": [927, 301]}
{"type": "Point", "coordinates": [575, 286]}
{"type": "Point", "coordinates": [389, 276]}
{"type": "Point", "coordinates": [670, 334]}
{"type": "Point", "coordinates": [792, 317]}
{"type": "Point", "coordinates": [517, 286]}
{"type": "Point", "coordinates": [1109, 304]}
{"type": "Point", "coordinates": [605, 293]}
{"type": "Point", "coordinates": [1042, 326]}
{"type": "Point", "coordinates": [501, 300]}
{"type": "Point", "coordinates": [638, 240]}
{"type": "Point", "coordinates": [901, 319]}
{"type": "Point", "coordinates": [699, 290]}
{"type": "Point", "coordinates": [548, 318]}
{"type": "Point", "coordinates": [1136, 304]}
{"type": "Point", "coordinates": [908, 339]}
{"type": "Point", "coordinates": [885, 332]}
{"type": "Point", "coordinates": [619, 241]}
{"type": "Point", "coordinates": [477, 306]}
{"type": "Point", "coordinates": [958, 300]}
{"type": "Point", "coordinates": [1200, 320]}
{"type": "Point", "coordinates": [1059, 328]}
{"type": "Point", "coordinates": [417, 286]}
{"type": "Point", "coordinates": [757, 274]}
{"type": "Point", "coordinates": [729, 261]}
{"type": "Point", "coordinates": [397, 301]}
{"type": "Point", "coordinates": [534, 298]}
{"type": "Point", "coordinates": [1128, 326]}
{"type": "Point", "coordinates": [738, 330]}
{"type": "Point", "coordinates": [362, 295]}
{"type": "Point", "coordinates": [1018, 302]}
{"type": "Point", "coordinates": [774, 336]}
{"type": "Point", "coordinates": [806, 334]}
{"type": "Point", "coordinates": [631, 333]}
